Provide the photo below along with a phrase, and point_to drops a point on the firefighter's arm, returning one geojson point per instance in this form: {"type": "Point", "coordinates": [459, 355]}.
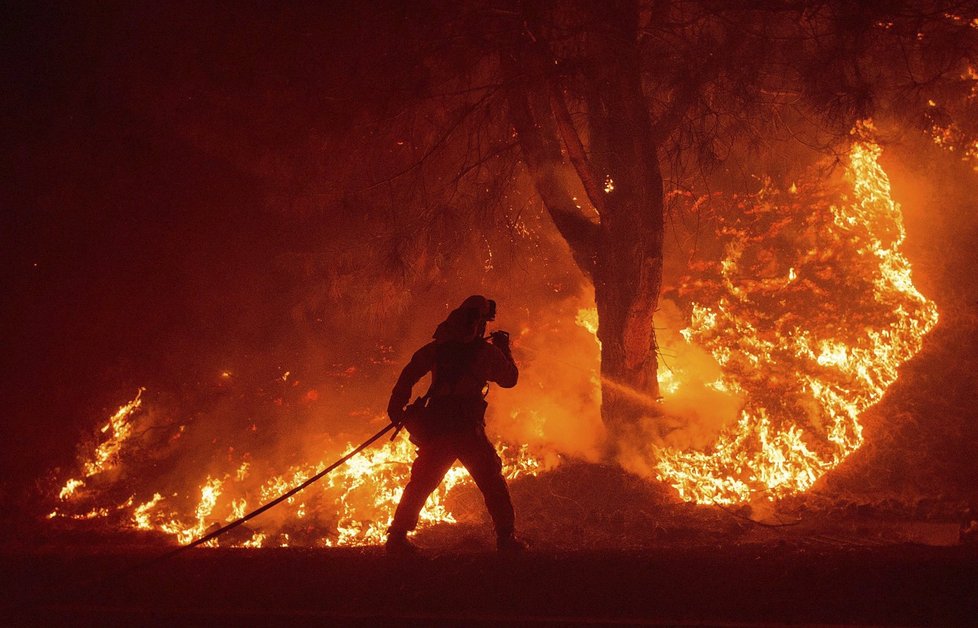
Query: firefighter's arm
{"type": "Point", "coordinates": [421, 362]}
{"type": "Point", "coordinates": [503, 368]}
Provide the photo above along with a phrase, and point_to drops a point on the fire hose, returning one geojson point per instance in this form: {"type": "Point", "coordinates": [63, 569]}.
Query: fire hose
{"type": "Point", "coordinates": [107, 579]}
{"type": "Point", "coordinates": [278, 500]}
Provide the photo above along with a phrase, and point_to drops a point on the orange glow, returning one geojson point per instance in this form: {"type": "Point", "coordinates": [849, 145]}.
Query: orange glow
{"type": "Point", "coordinates": [798, 351]}
{"type": "Point", "coordinates": [362, 494]}
{"type": "Point", "coordinates": [831, 362]}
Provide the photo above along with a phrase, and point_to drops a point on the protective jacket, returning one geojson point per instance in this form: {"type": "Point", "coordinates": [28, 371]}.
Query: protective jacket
{"type": "Point", "coordinates": [450, 428]}
{"type": "Point", "coordinates": [458, 369]}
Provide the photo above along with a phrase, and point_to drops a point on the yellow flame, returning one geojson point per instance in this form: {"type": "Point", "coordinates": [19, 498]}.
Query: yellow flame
{"type": "Point", "coordinates": [145, 518]}
{"type": "Point", "coordinates": [363, 494]}
{"type": "Point", "coordinates": [141, 514]}
{"type": "Point", "coordinates": [256, 540]}
{"type": "Point", "coordinates": [69, 488]}
{"type": "Point", "coordinates": [588, 319]}
{"type": "Point", "coordinates": [106, 454]}
{"type": "Point", "coordinates": [119, 429]}
{"type": "Point", "coordinates": [842, 367]}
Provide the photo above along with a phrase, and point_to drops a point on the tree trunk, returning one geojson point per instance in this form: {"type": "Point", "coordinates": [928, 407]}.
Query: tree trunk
{"type": "Point", "coordinates": [622, 253]}
{"type": "Point", "coordinates": [628, 276]}
{"type": "Point", "coordinates": [627, 281]}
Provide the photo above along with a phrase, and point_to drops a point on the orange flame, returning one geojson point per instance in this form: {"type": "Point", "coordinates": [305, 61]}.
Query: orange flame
{"type": "Point", "coordinates": [823, 365]}
{"type": "Point", "coordinates": [106, 454]}
{"type": "Point", "coordinates": [362, 494]}
{"type": "Point", "coordinates": [829, 371]}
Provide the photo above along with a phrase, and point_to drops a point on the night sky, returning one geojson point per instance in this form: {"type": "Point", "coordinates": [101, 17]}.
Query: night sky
{"type": "Point", "coordinates": [128, 242]}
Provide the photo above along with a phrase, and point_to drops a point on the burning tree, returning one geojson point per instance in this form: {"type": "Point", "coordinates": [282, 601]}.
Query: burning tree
{"type": "Point", "coordinates": [610, 99]}
{"type": "Point", "coordinates": [448, 108]}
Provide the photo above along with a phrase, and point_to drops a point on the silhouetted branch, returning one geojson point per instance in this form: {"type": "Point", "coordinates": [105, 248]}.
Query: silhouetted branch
{"type": "Point", "coordinates": [575, 149]}
{"type": "Point", "coordinates": [543, 159]}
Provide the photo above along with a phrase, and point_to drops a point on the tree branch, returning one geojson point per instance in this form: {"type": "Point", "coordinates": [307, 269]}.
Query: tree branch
{"type": "Point", "coordinates": [541, 153]}
{"type": "Point", "coordinates": [575, 149]}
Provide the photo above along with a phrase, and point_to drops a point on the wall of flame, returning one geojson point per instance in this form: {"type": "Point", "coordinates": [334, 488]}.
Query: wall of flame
{"type": "Point", "coordinates": [804, 319]}
{"type": "Point", "coordinates": [810, 313]}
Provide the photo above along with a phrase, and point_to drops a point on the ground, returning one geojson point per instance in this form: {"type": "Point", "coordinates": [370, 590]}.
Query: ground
{"type": "Point", "coordinates": [713, 584]}
{"type": "Point", "coordinates": [606, 548]}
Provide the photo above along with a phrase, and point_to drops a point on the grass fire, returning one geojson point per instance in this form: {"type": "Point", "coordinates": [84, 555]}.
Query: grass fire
{"type": "Point", "coordinates": [642, 293]}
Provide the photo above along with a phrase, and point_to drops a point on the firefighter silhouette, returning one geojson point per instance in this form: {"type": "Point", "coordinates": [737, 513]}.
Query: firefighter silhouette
{"type": "Point", "coordinates": [448, 423]}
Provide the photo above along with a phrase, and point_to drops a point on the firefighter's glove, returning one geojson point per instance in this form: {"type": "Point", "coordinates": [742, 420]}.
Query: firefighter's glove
{"type": "Point", "coordinates": [501, 340]}
{"type": "Point", "coordinates": [396, 414]}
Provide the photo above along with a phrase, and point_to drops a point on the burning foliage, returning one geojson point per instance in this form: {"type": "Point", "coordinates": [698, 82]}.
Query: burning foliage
{"type": "Point", "coordinates": [798, 326]}
{"type": "Point", "coordinates": [810, 313]}
{"type": "Point", "coordinates": [352, 506]}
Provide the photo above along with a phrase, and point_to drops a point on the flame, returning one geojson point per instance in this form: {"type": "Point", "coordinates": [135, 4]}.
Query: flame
{"type": "Point", "coordinates": [810, 342]}
{"type": "Point", "coordinates": [372, 485]}
{"type": "Point", "coordinates": [362, 496]}
{"type": "Point", "coordinates": [69, 488]}
{"type": "Point", "coordinates": [808, 378]}
{"type": "Point", "coordinates": [106, 455]}
{"type": "Point", "coordinates": [140, 515]}
{"type": "Point", "coordinates": [588, 319]}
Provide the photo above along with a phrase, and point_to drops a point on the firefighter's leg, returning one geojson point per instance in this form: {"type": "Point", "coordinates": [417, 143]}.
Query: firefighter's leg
{"type": "Point", "coordinates": [483, 463]}
{"type": "Point", "coordinates": [426, 474]}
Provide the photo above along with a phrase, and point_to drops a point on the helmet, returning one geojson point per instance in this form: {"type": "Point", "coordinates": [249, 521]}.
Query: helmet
{"type": "Point", "coordinates": [467, 321]}
{"type": "Point", "coordinates": [486, 307]}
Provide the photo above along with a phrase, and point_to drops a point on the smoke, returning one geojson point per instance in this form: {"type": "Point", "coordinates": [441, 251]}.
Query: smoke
{"type": "Point", "coordinates": [556, 408]}
{"type": "Point", "coordinates": [695, 398]}
{"type": "Point", "coordinates": [695, 402]}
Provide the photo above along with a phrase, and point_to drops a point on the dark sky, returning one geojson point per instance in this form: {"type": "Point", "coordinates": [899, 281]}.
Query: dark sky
{"type": "Point", "coordinates": [125, 241]}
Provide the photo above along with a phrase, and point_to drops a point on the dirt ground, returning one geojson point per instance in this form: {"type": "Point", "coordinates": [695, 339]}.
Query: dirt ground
{"type": "Point", "coordinates": [605, 548]}
{"type": "Point", "coordinates": [795, 581]}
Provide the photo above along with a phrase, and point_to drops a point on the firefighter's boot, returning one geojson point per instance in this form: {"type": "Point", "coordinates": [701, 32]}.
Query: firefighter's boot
{"type": "Point", "coordinates": [509, 544]}
{"type": "Point", "coordinates": [398, 545]}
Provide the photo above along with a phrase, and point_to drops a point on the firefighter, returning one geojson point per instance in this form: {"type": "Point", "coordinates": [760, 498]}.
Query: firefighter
{"type": "Point", "coordinates": [451, 425]}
